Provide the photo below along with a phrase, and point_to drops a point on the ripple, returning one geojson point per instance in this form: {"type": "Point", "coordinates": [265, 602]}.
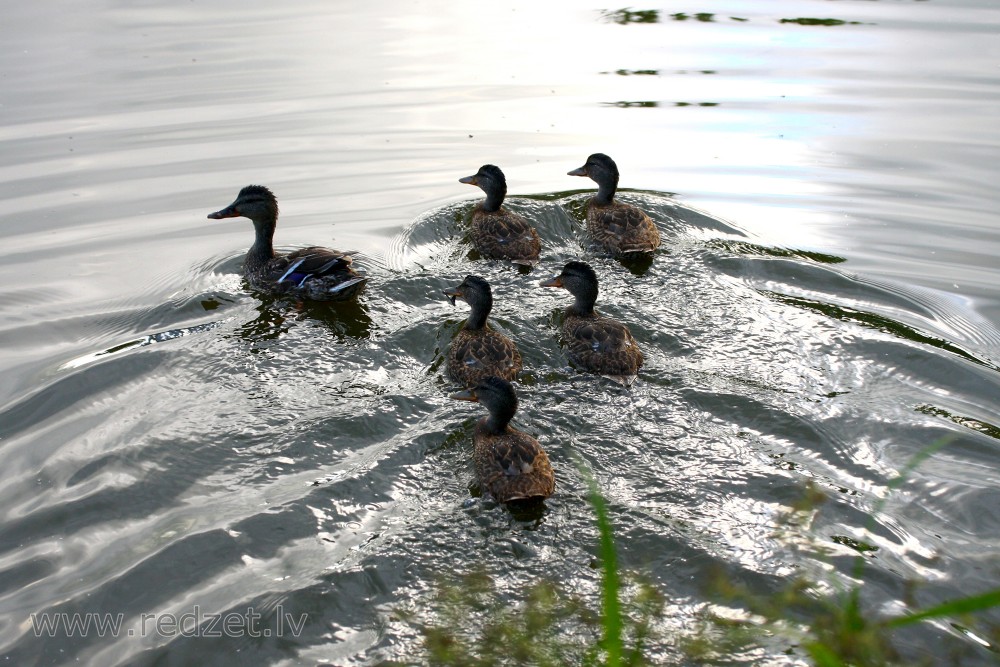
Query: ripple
{"type": "Point", "coordinates": [312, 448]}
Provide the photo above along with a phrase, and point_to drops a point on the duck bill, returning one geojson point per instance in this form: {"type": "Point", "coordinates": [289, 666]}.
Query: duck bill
{"type": "Point", "coordinates": [452, 294]}
{"type": "Point", "coordinates": [466, 395]}
{"type": "Point", "coordinates": [552, 282]}
{"type": "Point", "coordinates": [582, 171]}
{"type": "Point", "coordinates": [228, 212]}
{"type": "Point", "coordinates": [469, 180]}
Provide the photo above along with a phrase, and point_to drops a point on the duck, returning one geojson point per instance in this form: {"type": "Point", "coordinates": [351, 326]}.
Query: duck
{"type": "Point", "coordinates": [496, 232]}
{"type": "Point", "coordinates": [510, 464]}
{"type": "Point", "coordinates": [597, 343]}
{"type": "Point", "coordinates": [477, 351]}
{"type": "Point", "coordinates": [620, 229]}
{"type": "Point", "coordinates": [314, 273]}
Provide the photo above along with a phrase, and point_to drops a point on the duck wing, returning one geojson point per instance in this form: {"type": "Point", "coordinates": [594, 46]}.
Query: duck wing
{"type": "Point", "coordinates": [297, 267]}
{"type": "Point", "coordinates": [513, 466]}
{"type": "Point", "coordinates": [603, 345]}
{"type": "Point", "coordinates": [504, 234]}
{"type": "Point", "coordinates": [315, 273]}
{"type": "Point", "coordinates": [622, 228]}
{"type": "Point", "coordinates": [477, 354]}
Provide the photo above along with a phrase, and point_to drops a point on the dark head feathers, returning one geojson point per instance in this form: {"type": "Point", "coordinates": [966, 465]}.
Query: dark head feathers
{"type": "Point", "coordinates": [494, 172]}
{"type": "Point", "coordinates": [606, 163]}
{"type": "Point", "coordinates": [258, 190]}
{"type": "Point", "coordinates": [496, 393]}
{"type": "Point", "coordinates": [581, 269]}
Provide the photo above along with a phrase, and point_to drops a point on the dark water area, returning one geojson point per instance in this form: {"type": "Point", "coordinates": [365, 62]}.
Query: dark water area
{"type": "Point", "coordinates": [822, 317]}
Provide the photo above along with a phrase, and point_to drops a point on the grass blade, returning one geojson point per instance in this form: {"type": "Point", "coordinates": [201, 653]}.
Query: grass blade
{"type": "Point", "coordinates": [611, 612]}
{"type": "Point", "coordinates": [952, 608]}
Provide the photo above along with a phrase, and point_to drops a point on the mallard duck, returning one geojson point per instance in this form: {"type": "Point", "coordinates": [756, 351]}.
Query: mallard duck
{"type": "Point", "coordinates": [510, 464]}
{"type": "Point", "coordinates": [597, 343]}
{"type": "Point", "coordinates": [319, 274]}
{"type": "Point", "coordinates": [619, 228]}
{"type": "Point", "coordinates": [496, 232]}
{"type": "Point", "coordinates": [478, 351]}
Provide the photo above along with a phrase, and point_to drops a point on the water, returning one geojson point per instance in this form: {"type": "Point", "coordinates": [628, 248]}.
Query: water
{"type": "Point", "coordinates": [824, 309]}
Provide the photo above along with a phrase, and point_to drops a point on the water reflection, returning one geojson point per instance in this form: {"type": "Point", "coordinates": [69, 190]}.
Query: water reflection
{"type": "Point", "coordinates": [626, 16]}
{"type": "Point", "coordinates": [981, 426]}
{"type": "Point", "coordinates": [644, 104]}
{"type": "Point", "coordinates": [637, 72]}
{"type": "Point", "coordinates": [820, 22]}
{"type": "Point", "coordinates": [881, 323]}
{"type": "Point", "coordinates": [703, 17]}
{"type": "Point", "coordinates": [349, 320]}
{"type": "Point", "coordinates": [268, 324]}
{"type": "Point", "coordinates": [746, 248]}
{"type": "Point", "coordinates": [639, 264]}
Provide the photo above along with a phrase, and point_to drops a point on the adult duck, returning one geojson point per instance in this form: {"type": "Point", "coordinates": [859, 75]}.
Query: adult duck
{"type": "Point", "coordinates": [510, 464]}
{"type": "Point", "coordinates": [597, 343]}
{"type": "Point", "coordinates": [318, 274]}
{"type": "Point", "coordinates": [496, 232]}
{"type": "Point", "coordinates": [477, 351]}
{"type": "Point", "coordinates": [620, 229]}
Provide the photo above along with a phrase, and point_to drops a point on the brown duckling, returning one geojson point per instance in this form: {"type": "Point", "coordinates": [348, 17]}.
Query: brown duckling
{"type": "Point", "coordinates": [496, 232]}
{"type": "Point", "coordinates": [477, 351]}
{"type": "Point", "coordinates": [318, 274]}
{"type": "Point", "coordinates": [597, 343]}
{"type": "Point", "coordinates": [510, 464]}
{"type": "Point", "coordinates": [619, 228]}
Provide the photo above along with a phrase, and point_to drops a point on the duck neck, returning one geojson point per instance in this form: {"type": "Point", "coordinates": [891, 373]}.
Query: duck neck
{"type": "Point", "coordinates": [477, 318]}
{"type": "Point", "coordinates": [262, 249]}
{"type": "Point", "coordinates": [605, 192]}
{"type": "Point", "coordinates": [498, 420]}
{"type": "Point", "coordinates": [584, 304]}
{"type": "Point", "coordinates": [494, 199]}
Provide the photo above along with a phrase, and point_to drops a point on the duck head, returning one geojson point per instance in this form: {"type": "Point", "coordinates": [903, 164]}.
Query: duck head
{"type": "Point", "coordinates": [602, 170]}
{"type": "Point", "coordinates": [580, 280]}
{"type": "Point", "coordinates": [255, 202]}
{"type": "Point", "coordinates": [477, 293]}
{"type": "Point", "coordinates": [497, 396]}
{"type": "Point", "coordinates": [491, 180]}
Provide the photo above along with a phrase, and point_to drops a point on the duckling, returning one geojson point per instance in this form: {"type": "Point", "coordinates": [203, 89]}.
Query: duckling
{"type": "Point", "coordinates": [597, 343]}
{"type": "Point", "coordinates": [315, 273]}
{"type": "Point", "coordinates": [477, 351]}
{"type": "Point", "coordinates": [619, 228]}
{"type": "Point", "coordinates": [510, 464]}
{"type": "Point", "coordinates": [496, 232]}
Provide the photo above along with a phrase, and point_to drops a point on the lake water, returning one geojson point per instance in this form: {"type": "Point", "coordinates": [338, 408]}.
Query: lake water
{"type": "Point", "coordinates": [824, 310]}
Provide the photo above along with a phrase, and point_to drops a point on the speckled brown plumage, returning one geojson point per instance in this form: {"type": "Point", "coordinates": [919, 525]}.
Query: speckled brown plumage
{"type": "Point", "coordinates": [597, 343]}
{"type": "Point", "coordinates": [620, 229]}
{"type": "Point", "coordinates": [602, 345]}
{"type": "Point", "coordinates": [510, 464]}
{"type": "Point", "coordinates": [315, 273]}
{"type": "Point", "coordinates": [477, 351]}
{"type": "Point", "coordinates": [498, 233]}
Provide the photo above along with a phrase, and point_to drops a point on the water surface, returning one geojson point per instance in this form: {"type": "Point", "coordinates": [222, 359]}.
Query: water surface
{"type": "Point", "coordinates": [824, 309]}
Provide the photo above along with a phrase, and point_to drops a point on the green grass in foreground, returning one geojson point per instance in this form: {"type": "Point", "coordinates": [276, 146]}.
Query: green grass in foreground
{"type": "Point", "coordinates": [479, 626]}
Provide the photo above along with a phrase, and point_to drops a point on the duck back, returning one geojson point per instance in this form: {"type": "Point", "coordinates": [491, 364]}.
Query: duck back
{"type": "Point", "coordinates": [503, 234]}
{"type": "Point", "coordinates": [512, 466]}
{"type": "Point", "coordinates": [478, 353]}
{"type": "Point", "coordinates": [602, 345]}
{"type": "Point", "coordinates": [621, 228]}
